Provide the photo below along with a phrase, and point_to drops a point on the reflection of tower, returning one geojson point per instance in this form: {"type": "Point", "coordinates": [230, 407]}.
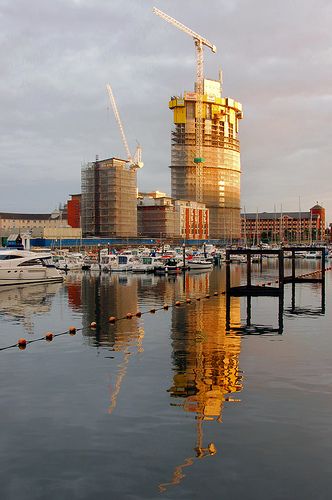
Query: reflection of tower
{"type": "Point", "coordinates": [104, 296]}
{"type": "Point", "coordinates": [206, 363]}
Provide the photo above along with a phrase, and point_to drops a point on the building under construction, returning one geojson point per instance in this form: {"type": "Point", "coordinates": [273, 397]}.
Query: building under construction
{"type": "Point", "coordinates": [220, 162]}
{"type": "Point", "coordinates": [109, 199]}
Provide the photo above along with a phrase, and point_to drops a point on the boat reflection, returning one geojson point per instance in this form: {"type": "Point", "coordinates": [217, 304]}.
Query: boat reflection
{"type": "Point", "coordinates": [22, 303]}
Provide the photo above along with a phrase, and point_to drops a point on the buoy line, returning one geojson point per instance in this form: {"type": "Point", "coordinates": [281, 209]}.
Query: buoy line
{"type": "Point", "coordinates": [269, 283]}
{"type": "Point", "coordinates": [72, 330]}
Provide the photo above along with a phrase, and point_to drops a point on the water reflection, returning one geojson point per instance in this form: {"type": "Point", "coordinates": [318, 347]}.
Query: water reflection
{"type": "Point", "coordinates": [205, 361]}
{"type": "Point", "coordinates": [21, 304]}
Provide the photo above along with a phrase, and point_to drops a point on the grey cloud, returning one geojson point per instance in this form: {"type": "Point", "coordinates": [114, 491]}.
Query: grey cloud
{"type": "Point", "coordinates": [56, 58]}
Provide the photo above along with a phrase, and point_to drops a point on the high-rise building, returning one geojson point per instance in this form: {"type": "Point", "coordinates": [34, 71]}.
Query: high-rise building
{"type": "Point", "coordinates": [220, 162]}
{"type": "Point", "coordinates": [109, 199]}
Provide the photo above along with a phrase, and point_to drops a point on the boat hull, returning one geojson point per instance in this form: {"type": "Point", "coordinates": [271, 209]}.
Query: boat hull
{"type": "Point", "coordinates": [16, 276]}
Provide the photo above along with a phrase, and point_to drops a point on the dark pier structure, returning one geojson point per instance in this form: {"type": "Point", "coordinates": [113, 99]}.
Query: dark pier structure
{"type": "Point", "coordinates": [272, 288]}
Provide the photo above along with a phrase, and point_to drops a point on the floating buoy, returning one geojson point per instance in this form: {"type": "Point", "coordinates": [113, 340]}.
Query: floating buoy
{"type": "Point", "coordinates": [138, 314]}
{"type": "Point", "coordinates": [49, 336]}
{"type": "Point", "coordinates": [207, 296]}
{"type": "Point", "coordinates": [223, 293]}
{"type": "Point", "coordinates": [152, 311]}
{"type": "Point", "coordinates": [93, 324]}
{"type": "Point", "coordinates": [129, 315]}
{"type": "Point", "coordinates": [188, 301]}
{"type": "Point", "coordinates": [198, 298]}
{"type": "Point", "coordinates": [215, 294]}
{"type": "Point", "coordinates": [177, 303]}
{"type": "Point", "coordinates": [112, 319]}
{"type": "Point", "coordinates": [22, 343]}
{"type": "Point", "coordinates": [165, 306]}
{"type": "Point", "coordinates": [72, 330]}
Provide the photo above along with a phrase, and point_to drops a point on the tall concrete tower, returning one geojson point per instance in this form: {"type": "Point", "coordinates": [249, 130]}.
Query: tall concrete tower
{"type": "Point", "coordinates": [221, 168]}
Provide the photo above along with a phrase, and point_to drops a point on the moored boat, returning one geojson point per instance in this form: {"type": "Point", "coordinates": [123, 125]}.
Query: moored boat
{"type": "Point", "coordinates": [23, 267]}
{"type": "Point", "coordinates": [200, 264]}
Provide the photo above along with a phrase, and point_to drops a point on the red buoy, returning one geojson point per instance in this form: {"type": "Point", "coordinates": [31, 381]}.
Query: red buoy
{"type": "Point", "coordinates": [72, 330]}
{"type": "Point", "coordinates": [22, 343]}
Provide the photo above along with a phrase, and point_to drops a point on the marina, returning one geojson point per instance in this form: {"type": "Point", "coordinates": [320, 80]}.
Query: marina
{"type": "Point", "coordinates": [165, 271]}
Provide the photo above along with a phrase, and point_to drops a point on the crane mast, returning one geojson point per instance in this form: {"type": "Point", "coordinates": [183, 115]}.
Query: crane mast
{"type": "Point", "coordinates": [136, 160]}
{"type": "Point", "coordinates": [199, 43]}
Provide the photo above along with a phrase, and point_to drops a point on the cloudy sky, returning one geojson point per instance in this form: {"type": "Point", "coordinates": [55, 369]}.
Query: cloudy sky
{"type": "Point", "coordinates": [57, 56]}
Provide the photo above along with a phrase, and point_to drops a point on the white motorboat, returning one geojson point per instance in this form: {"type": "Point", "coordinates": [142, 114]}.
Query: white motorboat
{"type": "Point", "coordinates": [312, 254]}
{"type": "Point", "coordinates": [124, 263]}
{"type": "Point", "coordinates": [199, 264]}
{"type": "Point", "coordinates": [146, 264]}
{"type": "Point", "coordinates": [18, 267]}
{"type": "Point", "coordinates": [70, 262]}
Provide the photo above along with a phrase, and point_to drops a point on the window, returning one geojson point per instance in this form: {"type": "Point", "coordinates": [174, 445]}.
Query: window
{"type": "Point", "coordinates": [9, 257]}
{"type": "Point", "coordinates": [32, 262]}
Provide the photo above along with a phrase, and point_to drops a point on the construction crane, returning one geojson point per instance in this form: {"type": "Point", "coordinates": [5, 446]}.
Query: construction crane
{"type": "Point", "coordinates": [199, 43]}
{"type": "Point", "coordinates": [136, 160]}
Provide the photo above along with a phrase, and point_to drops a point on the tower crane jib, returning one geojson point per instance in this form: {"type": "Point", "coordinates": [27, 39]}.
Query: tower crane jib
{"type": "Point", "coordinates": [199, 41]}
{"type": "Point", "coordinates": [136, 161]}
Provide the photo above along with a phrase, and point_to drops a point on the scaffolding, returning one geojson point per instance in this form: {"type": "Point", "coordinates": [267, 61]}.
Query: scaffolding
{"type": "Point", "coordinates": [109, 199]}
{"type": "Point", "coordinates": [220, 151]}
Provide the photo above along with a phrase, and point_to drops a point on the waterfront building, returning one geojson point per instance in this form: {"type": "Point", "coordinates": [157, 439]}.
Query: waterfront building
{"type": "Point", "coordinates": [109, 199]}
{"type": "Point", "coordinates": [164, 217]}
{"type": "Point", "coordinates": [74, 210]}
{"type": "Point", "coordinates": [213, 179]}
{"type": "Point", "coordinates": [32, 223]}
{"type": "Point", "coordinates": [291, 227]}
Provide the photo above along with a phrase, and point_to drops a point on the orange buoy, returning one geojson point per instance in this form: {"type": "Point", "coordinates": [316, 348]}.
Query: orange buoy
{"type": "Point", "coordinates": [129, 315]}
{"type": "Point", "coordinates": [138, 314]}
{"type": "Point", "coordinates": [165, 306]}
{"type": "Point", "coordinates": [215, 294]}
{"type": "Point", "coordinates": [72, 330]}
{"type": "Point", "coordinates": [152, 311]}
{"type": "Point", "coordinates": [22, 343]}
{"type": "Point", "coordinates": [93, 324]}
{"type": "Point", "coordinates": [49, 336]}
{"type": "Point", "coordinates": [188, 301]}
{"type": "Point", "coordinates": [207, 296]}
{"type": "Point", "coordinates": [112, 319]}
{"type": "Point", "coordinates": [177, 303]}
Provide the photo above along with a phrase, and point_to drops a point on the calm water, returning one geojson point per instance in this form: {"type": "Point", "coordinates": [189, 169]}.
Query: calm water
{"type": "Point", "coordinates": [167, 405]}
